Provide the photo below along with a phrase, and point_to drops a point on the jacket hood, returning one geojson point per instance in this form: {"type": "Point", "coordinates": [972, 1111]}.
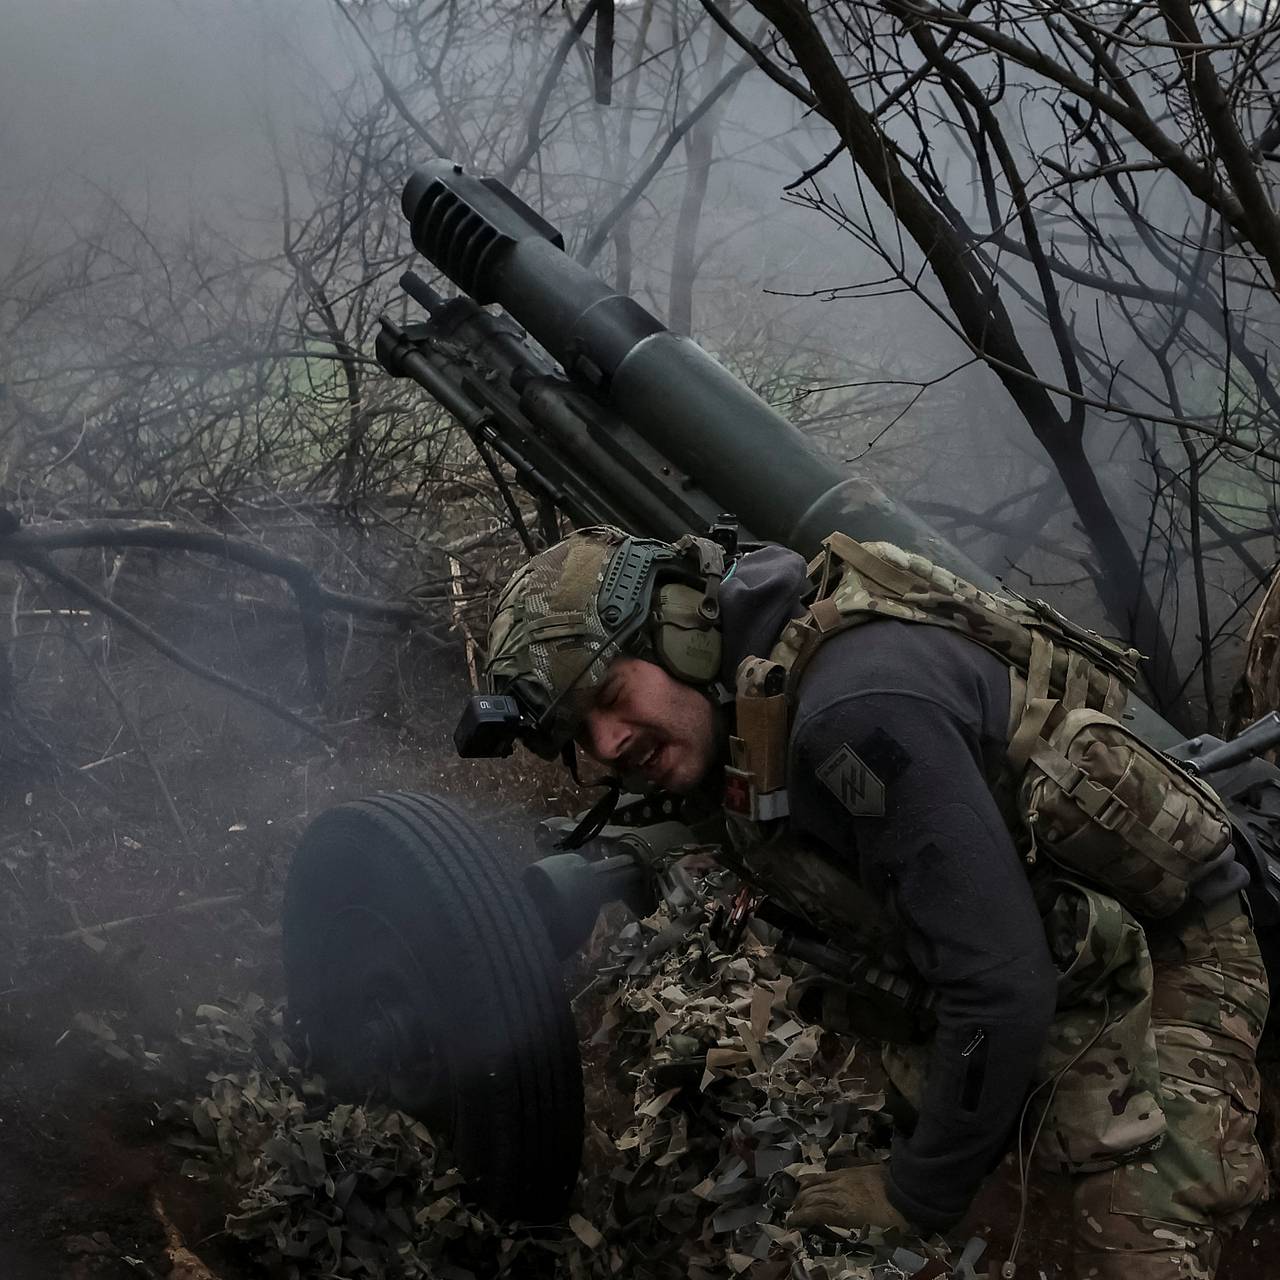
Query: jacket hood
{"type": "Point", "coordinates": [758, 598]}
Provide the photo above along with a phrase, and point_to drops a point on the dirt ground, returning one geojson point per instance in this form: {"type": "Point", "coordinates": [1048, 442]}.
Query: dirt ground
{"type": "Point", "coordinates": [89, 1183]}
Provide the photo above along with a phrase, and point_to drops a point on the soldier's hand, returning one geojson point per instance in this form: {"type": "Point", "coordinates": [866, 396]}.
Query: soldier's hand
{"type": "Point", "coordinates": [854, 1197]}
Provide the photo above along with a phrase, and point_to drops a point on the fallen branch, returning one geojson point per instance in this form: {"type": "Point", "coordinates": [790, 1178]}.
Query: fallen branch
{"type": "Point", "coordinates": [133, 592]}
{"type": "Point", "coordinates": [70, 583]}
{"type": "Point", "coordinates": [37, 540]}
{"type": "Point", "coordinates": [125, 922]}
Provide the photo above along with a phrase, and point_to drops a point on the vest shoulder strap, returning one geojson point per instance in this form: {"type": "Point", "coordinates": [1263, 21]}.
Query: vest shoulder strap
{"type": "Point", "coordinates": [1055, 665]}
{"type": "Point", "coordinates": [856, 582]}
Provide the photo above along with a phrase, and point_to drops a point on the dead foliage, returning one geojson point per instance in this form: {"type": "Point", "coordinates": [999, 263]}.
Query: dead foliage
{"type": "Point", "coordinates": [1257, 691]}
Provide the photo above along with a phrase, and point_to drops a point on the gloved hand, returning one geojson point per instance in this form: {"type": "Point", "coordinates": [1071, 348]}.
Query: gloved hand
{"type": "Point", "coordinates": [856, 1197]}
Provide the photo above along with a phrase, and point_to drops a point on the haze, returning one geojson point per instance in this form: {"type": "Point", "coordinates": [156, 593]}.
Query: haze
{"type": "Point", "coordinates": [163, 97]}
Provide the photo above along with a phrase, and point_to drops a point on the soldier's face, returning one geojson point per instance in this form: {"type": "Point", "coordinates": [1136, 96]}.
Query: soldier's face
{"type": "Point", "coordinates": [647, 722]}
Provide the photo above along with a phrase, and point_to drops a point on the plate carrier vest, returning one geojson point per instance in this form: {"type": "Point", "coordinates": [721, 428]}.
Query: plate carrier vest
{"type": "Point", "coordinates": [1077, 784]}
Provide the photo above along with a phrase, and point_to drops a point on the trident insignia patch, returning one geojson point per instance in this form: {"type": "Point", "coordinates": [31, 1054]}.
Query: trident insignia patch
{"type": "Point", "coordinates": [852, 783]}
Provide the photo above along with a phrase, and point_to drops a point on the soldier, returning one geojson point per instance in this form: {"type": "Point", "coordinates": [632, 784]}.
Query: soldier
{"type": "Point", "coordinates": [898, 754]}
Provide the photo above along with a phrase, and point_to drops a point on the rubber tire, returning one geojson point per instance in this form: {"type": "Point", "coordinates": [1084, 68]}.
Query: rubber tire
{"type": "Point", "coordinates": [416, 877]}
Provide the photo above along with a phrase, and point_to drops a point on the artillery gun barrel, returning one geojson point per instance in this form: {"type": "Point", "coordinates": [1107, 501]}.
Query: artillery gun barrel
{"type": "Point", "coordinates": [680, 401]}
{"type": "Point", "coordinates": [715, 430]}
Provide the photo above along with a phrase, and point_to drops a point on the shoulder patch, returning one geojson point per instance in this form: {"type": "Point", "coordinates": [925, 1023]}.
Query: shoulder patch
{"type": "Point", "coordinates": [883, 755]}
{"type": "Point", "coordinates": [847, 777]}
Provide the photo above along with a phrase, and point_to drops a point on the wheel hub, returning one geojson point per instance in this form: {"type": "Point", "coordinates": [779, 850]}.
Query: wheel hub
{"type": "Point", "coordinates": [387, 1042]}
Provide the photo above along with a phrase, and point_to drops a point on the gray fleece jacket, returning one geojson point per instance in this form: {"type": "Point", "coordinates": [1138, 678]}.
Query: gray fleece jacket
{"type": "Point", "coordinates": [926, 711]}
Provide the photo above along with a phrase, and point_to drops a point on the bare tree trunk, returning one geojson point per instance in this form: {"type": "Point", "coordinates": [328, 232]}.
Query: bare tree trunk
{"type": "Point", "coordinates": [698, 145]}
{"type": "Point", "coordinates": [622, 154]}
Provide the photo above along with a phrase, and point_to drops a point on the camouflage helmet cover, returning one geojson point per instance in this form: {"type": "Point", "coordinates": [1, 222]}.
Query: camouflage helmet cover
{"type": "Point", "coordinates": [547, 639]}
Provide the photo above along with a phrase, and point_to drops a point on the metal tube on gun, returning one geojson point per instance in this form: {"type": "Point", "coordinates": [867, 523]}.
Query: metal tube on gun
{"type": "Point", "coordinates": [1260, 736]}
{"type": "Point", "coordinates": [421, 292]}
{"type": "Point", "coordinates": [400, 358]}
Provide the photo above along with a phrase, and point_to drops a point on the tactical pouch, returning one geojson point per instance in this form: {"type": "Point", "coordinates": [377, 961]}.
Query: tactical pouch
{"type": "Point", "coordinates": [1105, 806]}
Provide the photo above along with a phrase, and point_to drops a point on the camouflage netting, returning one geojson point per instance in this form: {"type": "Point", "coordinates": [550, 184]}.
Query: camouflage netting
{"type": "Point", "coordinates": [706, 1098]}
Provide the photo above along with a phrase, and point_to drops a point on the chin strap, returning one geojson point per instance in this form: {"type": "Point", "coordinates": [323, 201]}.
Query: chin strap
{"type": "Point", "coordinates": [594, 821]}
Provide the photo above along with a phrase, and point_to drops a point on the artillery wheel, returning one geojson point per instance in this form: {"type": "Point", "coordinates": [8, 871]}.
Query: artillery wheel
{"type": "Point", "coordinates": [419, 973]}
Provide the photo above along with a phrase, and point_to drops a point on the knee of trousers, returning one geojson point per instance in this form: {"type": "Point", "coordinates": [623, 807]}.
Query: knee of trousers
{"type": "Point", "coordinates": [1130, 1248]}
{"type": "Point", "coordinates": [1166, 1212]}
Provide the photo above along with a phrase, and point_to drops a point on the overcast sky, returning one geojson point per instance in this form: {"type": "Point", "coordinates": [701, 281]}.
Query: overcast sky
{"type": "Point", "coordinates": [163, 96]}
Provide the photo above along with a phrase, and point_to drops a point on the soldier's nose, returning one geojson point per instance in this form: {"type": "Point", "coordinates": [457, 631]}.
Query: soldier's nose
{"type": "Point", "coordinates": [606, 739]}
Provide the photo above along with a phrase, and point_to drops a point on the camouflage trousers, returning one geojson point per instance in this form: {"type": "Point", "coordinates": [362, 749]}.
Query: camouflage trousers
{"type": "Point", "coordinates": [1166, 1213]}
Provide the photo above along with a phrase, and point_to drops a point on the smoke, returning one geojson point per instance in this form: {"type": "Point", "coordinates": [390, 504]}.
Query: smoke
{"type": "Point", "coordinates": [171, 106]}
{"type": "Point", "coordinates": [162, 100]}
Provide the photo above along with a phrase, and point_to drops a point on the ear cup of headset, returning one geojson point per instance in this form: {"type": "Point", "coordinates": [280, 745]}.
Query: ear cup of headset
{"type": "Point", "coordinates": [685, 642]}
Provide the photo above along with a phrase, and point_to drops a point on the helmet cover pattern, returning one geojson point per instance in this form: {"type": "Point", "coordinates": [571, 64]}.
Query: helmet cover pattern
{"type": "Point", "coordinates": [547, 640]}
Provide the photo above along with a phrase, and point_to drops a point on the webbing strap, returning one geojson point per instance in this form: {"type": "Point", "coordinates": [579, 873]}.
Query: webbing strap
{"type": "Point", "coordinates": [1035, 715]}
{"type": "Point", "coordinates": [826, 616]}
{"type": "Point", "coordinates": [825, 561]}
{"type": "Point", "coordinates": [1075, 692]}
{"type": "Point", "coordinates": [867, 564]}
{"type": "Point", "coordinates": [1172, 812]}
{"type": "Point", "coordinates": [1039, 666]}
{"type": "Point", "coordinates": [1017, 702]}
{"type": "Point", "coordinates": [823, 620]}
{"type": "Point", "coordinates": [1073, 781]}
{"type": "Point", "coordinates": [1161, 852]}
{"type": "Point", "coordinates": [807, 640]}
{"type": "Point", "coordinates": [1093, 799]}
{"type": "Point", "coordinates": [1115, 698]}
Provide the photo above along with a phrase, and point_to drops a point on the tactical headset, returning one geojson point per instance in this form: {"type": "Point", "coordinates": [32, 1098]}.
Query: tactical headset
{"type": "Point", "coordinates": [668, 598]}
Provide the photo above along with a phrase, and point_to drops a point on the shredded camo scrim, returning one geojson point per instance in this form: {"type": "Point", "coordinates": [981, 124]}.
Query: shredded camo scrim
{"type": "Point", "coordinates": [706, 1098]}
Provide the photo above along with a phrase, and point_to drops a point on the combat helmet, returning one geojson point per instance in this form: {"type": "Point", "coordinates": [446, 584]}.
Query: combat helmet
{"type": "Point", "coordinates": [570, 610]}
